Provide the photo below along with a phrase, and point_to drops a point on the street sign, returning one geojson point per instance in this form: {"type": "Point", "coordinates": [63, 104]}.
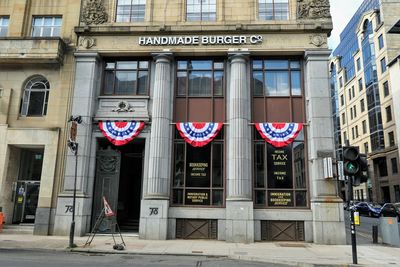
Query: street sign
{"type": "Point", "coordinates": [73, 131]}
{"type": "Point", "coordinates": [328, 169]}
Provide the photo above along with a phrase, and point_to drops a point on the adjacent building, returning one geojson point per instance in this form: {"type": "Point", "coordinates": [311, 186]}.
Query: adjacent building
{"type": "Point", "coordinates": [36, 73]}
{"type": "Point", "coordinates": [144, 66]}
{"type": "Point", "coordinates": [364, 112]}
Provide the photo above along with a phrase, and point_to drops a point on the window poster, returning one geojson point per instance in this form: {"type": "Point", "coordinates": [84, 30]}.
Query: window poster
{"type": "Point", "coordinates": [197, 197]}
{"type": "Point", "coordinates": [280, 198]}
{"type": "Point", "coordinates": [280, 167]}
{"type": "Point", "coordinates": [198, 166]}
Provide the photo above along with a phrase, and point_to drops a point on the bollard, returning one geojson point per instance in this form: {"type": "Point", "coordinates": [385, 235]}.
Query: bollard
{"type": "Point", "coordinates": [375, 234]}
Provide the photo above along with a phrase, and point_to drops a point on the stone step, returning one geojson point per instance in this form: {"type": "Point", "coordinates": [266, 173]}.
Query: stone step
{"type": "Point", "coordinates": [18, 229]}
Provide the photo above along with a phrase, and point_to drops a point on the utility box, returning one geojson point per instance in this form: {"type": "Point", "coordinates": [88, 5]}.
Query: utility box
{"type": "Point", "coordinates": [390, 230]}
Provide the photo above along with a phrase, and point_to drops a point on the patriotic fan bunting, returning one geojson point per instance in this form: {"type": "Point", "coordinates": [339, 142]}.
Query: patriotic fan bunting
{"type": "Point", "coordinates": [279, 134]}
{"type": "Point", "coordinates": [121, 132]}
{"type": "Point", "coordinates": [198, 134]}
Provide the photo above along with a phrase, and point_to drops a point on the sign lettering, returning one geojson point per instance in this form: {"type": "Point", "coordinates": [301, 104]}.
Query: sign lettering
{"type": "Point", "coordinates": [280, 198]}
{"type": "Point", "coordinates": [153, 211]}
{"type": "Point", "coordinates": [69, 208]}
{"type": "Point", "coordinates": [200, 40]}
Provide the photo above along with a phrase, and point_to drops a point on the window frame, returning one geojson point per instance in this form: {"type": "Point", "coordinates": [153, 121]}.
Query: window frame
{"type": "Point", "coordinates": [393, 161]}
{"type": "Point", "coordinates": [131, 12]}
{"type": "Point", "coordinates": [219, 140]}
{"type": "Point", "coordinates": [388, 111]}
{"type": "Point", "coordinates": [258, 141]}
{"type": "Point", "coordinates": [381, 43]}
{"type": "Point", "coordinates": [201, 14]}
{"type": "Point", "coordinates": [52, 27]}
{"type": "Point", "coordinates": [27, 92]}
{"type": "Point", "coordinates": [392, 142]}
{"type": "Point", "coordinates": [289, 70]}
{"type": "Point", "coordinates": [272, 2]}
{"type": "Point", "coordinates": [213, 71]}
{"type": "Point", "coordinates": [383, 65]}
{"type": "Point", "coordinates": [386, 89]}
{"type": "Point", "coordinates": [3, 19]}
{"type": "Point", "coordinates": [137, 71]}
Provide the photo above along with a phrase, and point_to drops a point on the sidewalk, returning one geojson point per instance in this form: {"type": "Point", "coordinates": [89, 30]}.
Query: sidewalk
{"type": "Point", "coordinates": [295, 254]}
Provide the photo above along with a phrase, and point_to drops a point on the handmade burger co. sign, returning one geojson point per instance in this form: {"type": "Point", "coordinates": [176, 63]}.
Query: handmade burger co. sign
{"type": "Point", "coordinates": [200, 40]}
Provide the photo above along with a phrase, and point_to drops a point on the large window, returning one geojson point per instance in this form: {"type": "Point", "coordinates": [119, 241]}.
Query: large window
{"type": "Point", "coordinates": [276, 77]}
{"type": "Point", "coordinates": [130, 10]}
{"type": "Point", "coordinates": [4, 21]}
{"type": "Point", "coordinates": [203, 78]}
{"type": "Point", "coordinates": [279, 174]}
{"type": "Point", "coordinates": [126, 77]}
{"type": "Point", "coordinates": [273, 9]}
{"type": "Point", "coordinates": [46, 26]}
{"type": "Point", "coordinates": [35, 97]}
{"type": "Point", "coordinates": [198, 173]}
{"type": "Point", "coordinates": [201, 10]}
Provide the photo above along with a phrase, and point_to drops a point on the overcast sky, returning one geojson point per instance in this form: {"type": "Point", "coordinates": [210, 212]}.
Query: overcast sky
{"type": "Point", "coordinates": [342, 11]}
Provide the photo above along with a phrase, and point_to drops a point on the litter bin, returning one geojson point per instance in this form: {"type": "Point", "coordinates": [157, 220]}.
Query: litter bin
{"type": "Point", "coordinates": [390, 230]}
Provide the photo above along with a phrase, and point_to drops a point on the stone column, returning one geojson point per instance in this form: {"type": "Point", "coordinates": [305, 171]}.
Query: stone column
{"type": "Point", "coordinates": [239, 204]}
{"type": "Point", "coordinates": [87, 83]}
{"type": "Point", "coordinates": [155, 203]}
{"type": "Point", "coordinates": [327, 207]}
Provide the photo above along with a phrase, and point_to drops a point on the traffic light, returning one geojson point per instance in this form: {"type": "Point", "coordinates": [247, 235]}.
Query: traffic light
{"type": "Point", "coordinates": [355, 165]}
{"type": "Point", "coordinates": [362, 175]}
{"type": "Point", "coordinates": [350, 160]}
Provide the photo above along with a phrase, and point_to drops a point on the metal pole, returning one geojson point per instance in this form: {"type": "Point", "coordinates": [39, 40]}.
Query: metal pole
{"type": "Point", "coordinates": [72, 229]}
{"type": "Point", "coordinates": [352, 225]}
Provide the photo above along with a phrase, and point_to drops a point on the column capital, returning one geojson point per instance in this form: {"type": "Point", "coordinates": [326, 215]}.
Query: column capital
{"type": "Point", "coordinates": [163, 57]}
{"type": "Point", "coordinates": [238, 56]}
{"type": "Point", "coordinates": [87, 56]}
{"type": "Point", "coordinates": [320, 54]}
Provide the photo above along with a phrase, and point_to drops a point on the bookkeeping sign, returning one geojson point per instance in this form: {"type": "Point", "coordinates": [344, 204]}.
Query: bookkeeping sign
{"type": "Point", "coordinates": [201, 40]}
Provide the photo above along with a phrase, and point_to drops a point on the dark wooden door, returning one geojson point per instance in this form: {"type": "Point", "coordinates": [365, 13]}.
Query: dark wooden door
{"type": "Point", "coordinates": [108, 164]}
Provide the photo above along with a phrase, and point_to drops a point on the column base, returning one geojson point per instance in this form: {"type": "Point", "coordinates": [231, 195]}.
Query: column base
{"type": "Point", "coordinates": [63, 218]}
{"type": "Point", "coordinates": [154, 219]}
{"type": "Point", "coordinates": [328, 221]}
{"type": "Point", "coordinates": [42, 221]}
{"type": "Point", "coordinates": [239, 221]}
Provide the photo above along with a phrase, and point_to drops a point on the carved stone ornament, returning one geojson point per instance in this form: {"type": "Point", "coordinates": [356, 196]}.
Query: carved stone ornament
{"type": "Point", "coordinates": [313, 9]}
{"type": "Point", "coordinates": [317, 40]}
{"type": "Point", "coordinates": [123, 106]}
{"type": "Point", "coordinates": [94, 12]}
{"type": "Point", "coordinates": [87, 42]}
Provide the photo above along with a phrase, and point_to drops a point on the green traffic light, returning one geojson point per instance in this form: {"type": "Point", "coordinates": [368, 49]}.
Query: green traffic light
{"type": "Point", "coordinates": [351, 167]}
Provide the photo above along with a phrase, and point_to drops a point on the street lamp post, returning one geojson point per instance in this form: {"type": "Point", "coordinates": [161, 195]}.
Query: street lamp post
{"type": "Point", "coordinates": [73, 145]}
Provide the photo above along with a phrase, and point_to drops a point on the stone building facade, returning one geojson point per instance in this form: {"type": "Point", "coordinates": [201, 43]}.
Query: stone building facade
{"type": "Point", "coordinates": [36, 73]}
{"type": "Point", "coordinates": [234, 62]}
{"type": "Point", "coordinates": [364, 110]}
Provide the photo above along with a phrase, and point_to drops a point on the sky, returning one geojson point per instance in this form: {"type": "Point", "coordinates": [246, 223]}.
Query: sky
{"type": "Point", "coordinates": [341, 11]}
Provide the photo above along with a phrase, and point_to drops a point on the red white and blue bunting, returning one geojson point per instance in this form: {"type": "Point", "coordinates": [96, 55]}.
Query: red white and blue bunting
{"type": "Point", "coordinates": [120, 132]}
{"type": "Point", "coordinates": [198, 134]}
{"type": "Point", "coordinates": [279, 134]}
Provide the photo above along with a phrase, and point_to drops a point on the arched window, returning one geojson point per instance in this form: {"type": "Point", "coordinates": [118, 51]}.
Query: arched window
{"type": "Point", "coordinates": [35, 97]}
